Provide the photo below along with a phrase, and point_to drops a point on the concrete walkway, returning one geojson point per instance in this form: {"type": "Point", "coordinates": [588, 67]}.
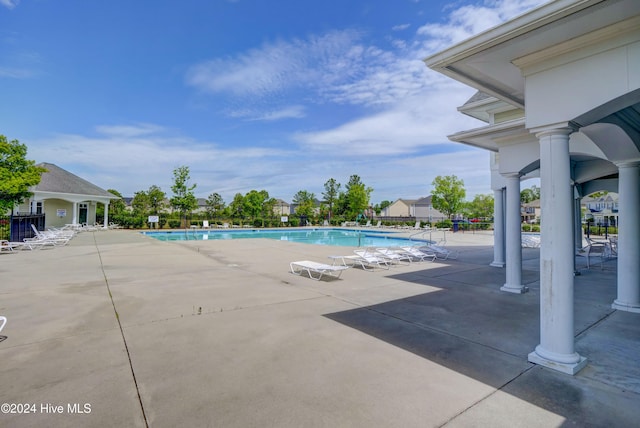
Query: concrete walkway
{"type": "Point", "coordinates": [122, 330]}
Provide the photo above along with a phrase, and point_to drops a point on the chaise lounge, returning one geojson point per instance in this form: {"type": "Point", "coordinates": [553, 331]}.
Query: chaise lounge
{"type": "Point", "coordinates": [320, 269]}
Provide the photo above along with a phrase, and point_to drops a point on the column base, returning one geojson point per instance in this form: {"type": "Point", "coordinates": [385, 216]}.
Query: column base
{"type": "Point", "coordinates": [625, 307]}
{"type": "Point", "coordinates": [516, 289]}
{"type": "Point", "coordinates": [497, 264]}
{"type": "Point", "coordinates": [568, 368]}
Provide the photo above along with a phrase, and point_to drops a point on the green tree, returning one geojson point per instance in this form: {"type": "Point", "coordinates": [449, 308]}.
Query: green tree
{"type": "Point", "coordinates": [448, 194]}
{"type": "Point", "coordinates": [268, 208]}
{"type": "Point", "coordinates": [480, 207]}
{"type": "Point", "coordinates": [155, 199]}
{"type": "Point", "coordinates": [116, 206]}
{"type": "Point", "coordinates": [356, 197]}
{"type": "Point", "coordinates": [530, 194]}
{"type": "Point", "coordinates": [382, 205]}
{"type": "Point", "coordinates": [305, 201]}
{"type": "Point", "coordinates": [183, 200]}
{"type": "Point", "coordinates": [17, 174]}
{"type": "Point", "coordinates": [215, 205]}
{"type": "Point", "coordinates": [140, 203]}
{"type": "Point", "coordinates": [254, 203]}
{"type": "Point", "coordinates": [236, 207]}
{"type": "Point", "coordinates": [330, 194]}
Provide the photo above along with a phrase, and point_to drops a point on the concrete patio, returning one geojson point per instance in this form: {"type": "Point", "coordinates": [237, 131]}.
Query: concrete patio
{"type": "Point", "coordinates": [220, 334]}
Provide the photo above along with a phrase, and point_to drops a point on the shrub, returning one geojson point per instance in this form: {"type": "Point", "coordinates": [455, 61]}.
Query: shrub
{"type": "Point", "coordinates": [444, 224]}
{"type": "Point", "coordinates": [174, 224]}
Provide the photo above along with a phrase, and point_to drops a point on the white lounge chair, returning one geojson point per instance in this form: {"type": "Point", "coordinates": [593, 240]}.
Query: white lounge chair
{"type": "Point", "coordinates": [440, 252]}
{"type": "Point", "coordinates": [3, 322]}
{"type": "Point", "coordinates": [369, 258]}
{"type": "Point", "coordinates": [394, 256]}
{"type": "Point", "coordinates": [205, 224]}
{"type": "Point", "coordinates": [320, 269]}
{"type": "Point", "coordinates": [8, 247]}
{"type": "Point", "coordinates": [418, 254]}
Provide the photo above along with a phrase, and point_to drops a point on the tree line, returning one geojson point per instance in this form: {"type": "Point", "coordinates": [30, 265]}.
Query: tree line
{"type": "Point", "coordinates": [256, 207]}
{"type": "Point", "coordinates": [337, 203]}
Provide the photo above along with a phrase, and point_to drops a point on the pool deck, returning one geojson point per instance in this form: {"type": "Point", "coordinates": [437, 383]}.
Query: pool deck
{"type": "Point", "coordinates": [220, 334]}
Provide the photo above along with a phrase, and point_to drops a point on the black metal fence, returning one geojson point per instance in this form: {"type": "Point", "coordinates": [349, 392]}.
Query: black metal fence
{"type": "Point", "coordinates": [20, 225]}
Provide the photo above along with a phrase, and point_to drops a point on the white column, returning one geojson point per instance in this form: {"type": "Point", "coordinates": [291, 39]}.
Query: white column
{"type": "Point", "coordinates": [513, 233]}
{"type": "Point", "coordinates": [498, 229]}
{"type": "Point", "coordinates": [556, 348]}
{"type": "Point", "coordinates": [628, 238]}
{"type": "Point", "coordinates": [105, 225]}
{"type": "Point", "coordinates": [74, 216]}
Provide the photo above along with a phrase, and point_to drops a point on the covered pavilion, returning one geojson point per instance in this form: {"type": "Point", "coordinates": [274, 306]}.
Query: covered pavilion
{"type": "Point", "coordinates": [559, 89]}
{"type": "Point", "coordinates": [65, 198]}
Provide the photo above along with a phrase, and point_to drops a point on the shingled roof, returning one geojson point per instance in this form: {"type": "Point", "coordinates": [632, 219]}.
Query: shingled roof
{"type": "Point", "coordinates": [59, 180]}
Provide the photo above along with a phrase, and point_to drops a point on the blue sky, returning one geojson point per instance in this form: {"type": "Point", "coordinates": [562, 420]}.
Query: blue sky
{"type": "Point", "coordinates": [279, 95]}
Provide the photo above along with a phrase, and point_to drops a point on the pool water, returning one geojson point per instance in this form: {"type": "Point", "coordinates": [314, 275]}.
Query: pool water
{"type": "Point", "coordinates": [334, 237]}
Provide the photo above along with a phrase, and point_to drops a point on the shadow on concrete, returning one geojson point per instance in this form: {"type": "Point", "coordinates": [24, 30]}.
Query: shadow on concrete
{"type": "Point", "coordinates": [468, 325]}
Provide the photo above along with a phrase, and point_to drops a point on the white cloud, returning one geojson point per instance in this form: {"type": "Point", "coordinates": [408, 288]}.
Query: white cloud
{"type": "Point", "coordinates": [278, 66]}
{"type": "Point", "coordinates": [17, 73]}
{"type": "Point", "coordinates": [470, 20]}
{"type": "Point", "coordinates": [288, 112]}
{"type": "Point", "coordinates": [400, 27]}
{"type": "Point", "coordinates": [9, 4]}
{"type": "Point", "coordinates": [406, 127]}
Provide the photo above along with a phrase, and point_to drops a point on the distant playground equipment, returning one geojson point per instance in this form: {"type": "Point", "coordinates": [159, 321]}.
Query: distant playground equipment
{"type": "Point", "coordinates": [361, 216]}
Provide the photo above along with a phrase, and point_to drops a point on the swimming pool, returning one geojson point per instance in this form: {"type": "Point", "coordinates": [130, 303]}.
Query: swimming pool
{"type": "Point", "coordinates": [334, 237]}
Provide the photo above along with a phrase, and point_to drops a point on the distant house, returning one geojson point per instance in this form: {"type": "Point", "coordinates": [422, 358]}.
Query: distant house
{"type": "Point", "coordinates": [281, 208]}
{"type": "Point", "coordinates": [400, 208]}
{"type": "Point", "coordinates": [602, 210]}
{"type": "Point", "coordinates": [421, 209]}
{"type": "Point", "coordinates": [424, 211]}
{"type": "Point", "coordinates": [202, 206]}
{"type": "Point", "coordinates": [316, 207]}
{"type": "Point", "coordinates": [65, 198]}
{"type": "Point", "coordinates": [530, 212]}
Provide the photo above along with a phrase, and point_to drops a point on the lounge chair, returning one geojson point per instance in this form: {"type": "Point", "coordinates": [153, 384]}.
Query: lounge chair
{"type": "Point", "coordinates": [3, 322]}
{"type": "Point", "coordinates": [440, 252]}
{"type": "Point", "coordinates": [205, 224]}
{"type": "Point", "coordinates": [320, 269]}
{"type": "Point", "coordinates": [394, 256]}
{"type": "Point", "coordinates": [8, 247]}
{"type": "Point", "coordinates": [224, 226]}
{"type": "Point", "coordinates": [418, 254]}
{"type": "Point", "coordinates": [57, 236]}
{"type": "Point", "coordinates": [369, 258]}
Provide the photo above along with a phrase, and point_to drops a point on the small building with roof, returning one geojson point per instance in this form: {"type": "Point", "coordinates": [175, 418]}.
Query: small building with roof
{"type": "Point", "coordinates": [64, 198]}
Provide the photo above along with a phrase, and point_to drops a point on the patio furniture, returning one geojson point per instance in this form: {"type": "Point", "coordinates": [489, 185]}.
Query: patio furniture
{"type": "Point", "coordinates": [418, 254]}
{"type": "Point", "coordinates": [394, 256]}
{"type": "Point", "coordinates": [320, 269]}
